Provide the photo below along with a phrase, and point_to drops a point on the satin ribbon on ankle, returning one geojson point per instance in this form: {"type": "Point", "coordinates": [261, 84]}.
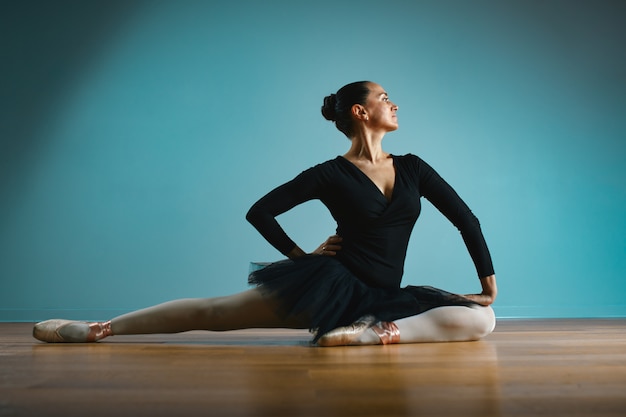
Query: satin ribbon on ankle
{"type": "Point", "coordinates": [99, 330]}
{"type": "Point", "coordinates": [387, 331]}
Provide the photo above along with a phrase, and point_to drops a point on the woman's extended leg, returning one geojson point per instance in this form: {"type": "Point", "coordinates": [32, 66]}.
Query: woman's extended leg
{"type": "Point", "coordinates": [441, 324]}
{"type": "Point", "coordinates": [248, 309]}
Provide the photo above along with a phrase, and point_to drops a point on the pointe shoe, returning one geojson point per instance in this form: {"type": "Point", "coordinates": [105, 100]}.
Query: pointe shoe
{"type": "Point", "coordinates": [347, 335]}
{"type": "Point", "coordinates": [387, 331]}
{"type": "Point", "coordinates": [69, 331]}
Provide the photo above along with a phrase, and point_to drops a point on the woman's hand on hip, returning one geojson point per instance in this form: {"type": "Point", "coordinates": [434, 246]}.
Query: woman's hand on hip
{"type": "Point", "coordinates": [329, 247]}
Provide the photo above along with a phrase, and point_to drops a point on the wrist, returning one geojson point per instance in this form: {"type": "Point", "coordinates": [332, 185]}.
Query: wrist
{"type": "Point", "coordinates": [296, 252]}
{"type": "Point", "coordinates": [489, 286]}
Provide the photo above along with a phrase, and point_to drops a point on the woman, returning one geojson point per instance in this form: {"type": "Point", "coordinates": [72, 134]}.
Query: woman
{"type": "Point", "coordinates": [348, 290]}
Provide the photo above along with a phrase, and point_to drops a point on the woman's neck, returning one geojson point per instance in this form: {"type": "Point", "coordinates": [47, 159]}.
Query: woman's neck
{"type": "Point", "coordinates": [366, 147]}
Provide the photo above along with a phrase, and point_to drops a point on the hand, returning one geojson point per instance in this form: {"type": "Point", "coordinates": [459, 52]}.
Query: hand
{"type": "Point", "coordinates": [489, 293]}
{"type": "Point", "coordinates": [329, 247]}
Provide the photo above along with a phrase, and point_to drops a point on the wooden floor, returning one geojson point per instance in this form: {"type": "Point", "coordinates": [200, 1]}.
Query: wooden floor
{"type": "Point", "coordinates": [525, 368]}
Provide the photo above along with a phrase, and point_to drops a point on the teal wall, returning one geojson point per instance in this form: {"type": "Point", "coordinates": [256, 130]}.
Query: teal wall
{"type": "Point", "coordinates": [135, 135]}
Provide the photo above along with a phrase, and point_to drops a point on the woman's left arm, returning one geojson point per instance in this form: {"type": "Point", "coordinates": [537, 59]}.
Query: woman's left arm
{"type": "Point", "coordinates": [448, 202]}
{"type": "Point", "coordinates": [489, 292]}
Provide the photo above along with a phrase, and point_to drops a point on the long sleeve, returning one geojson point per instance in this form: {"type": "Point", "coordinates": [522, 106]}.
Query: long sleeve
{"type": "Point", "coordinates": [447, 201]}
{"type": "Point", "coordinates": [262, 215]}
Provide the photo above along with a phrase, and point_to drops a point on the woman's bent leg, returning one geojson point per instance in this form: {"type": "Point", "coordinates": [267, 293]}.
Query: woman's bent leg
{"type": "Point", "coordinates": [447, 324]}
{"type": "Point", "coordinates": [441, 324]}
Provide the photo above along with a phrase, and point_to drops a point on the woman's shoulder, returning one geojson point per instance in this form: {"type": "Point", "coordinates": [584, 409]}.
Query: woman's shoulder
{"type": "Point", "coordinates": [409, 160]}
{"type": "Point", "coordinates": [323, 169]}
{"type": "Point", "coordinates": [338, 163]}
{"type": "Point", "coordinates": [330, 164]}
{"type": "Point", "coordinates": [408, 157]}
{"type": "Point", "coordinates": [413, 165]}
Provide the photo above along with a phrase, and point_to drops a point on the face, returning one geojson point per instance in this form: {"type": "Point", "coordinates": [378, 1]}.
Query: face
{"type": "Point", "coordinates": [379, 111]}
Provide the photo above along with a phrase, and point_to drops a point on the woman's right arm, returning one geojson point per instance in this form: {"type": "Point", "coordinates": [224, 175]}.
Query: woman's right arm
{"type": "Point", "coordinates": [262, 215]}
{"type": "Point", "coordinates": [330, 247]}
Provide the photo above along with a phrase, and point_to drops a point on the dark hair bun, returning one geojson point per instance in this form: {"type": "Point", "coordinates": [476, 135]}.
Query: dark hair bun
{"type": "Point", "coordinates": [329, 109]}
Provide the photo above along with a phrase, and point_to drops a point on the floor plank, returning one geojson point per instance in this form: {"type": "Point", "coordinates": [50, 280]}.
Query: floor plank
{"type": "Point", "coordinates": [525, 368]}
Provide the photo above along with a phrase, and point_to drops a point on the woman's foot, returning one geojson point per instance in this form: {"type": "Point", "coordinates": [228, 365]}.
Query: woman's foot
{"type": "Point", "coordinates": [365, 331]}
{"type": "Point", "coordinates": [68, 331]}
{"type": "Point", "coordinates": [387, 332]}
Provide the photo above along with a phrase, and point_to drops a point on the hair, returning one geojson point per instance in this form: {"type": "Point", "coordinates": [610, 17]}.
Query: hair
{"type": "Point", "coordinates": [338, 107]}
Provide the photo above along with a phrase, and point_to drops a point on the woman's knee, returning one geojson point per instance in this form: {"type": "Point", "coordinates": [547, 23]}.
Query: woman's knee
{"type": "Point", "coordinates": [485, 322]}
{"type": "Point", "coordinates": [468, 323]}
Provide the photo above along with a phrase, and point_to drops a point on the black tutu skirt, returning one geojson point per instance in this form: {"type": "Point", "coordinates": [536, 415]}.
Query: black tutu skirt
{"type": "Point", "coordinates": [324, 291]}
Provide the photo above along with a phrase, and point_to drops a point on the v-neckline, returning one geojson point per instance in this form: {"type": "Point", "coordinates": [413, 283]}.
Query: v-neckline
{"type": "Point", "coordinates": [380, 192]}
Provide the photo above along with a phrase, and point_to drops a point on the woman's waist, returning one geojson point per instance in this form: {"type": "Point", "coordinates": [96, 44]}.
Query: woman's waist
{"type": "Point", "coordinates": [374, 272]}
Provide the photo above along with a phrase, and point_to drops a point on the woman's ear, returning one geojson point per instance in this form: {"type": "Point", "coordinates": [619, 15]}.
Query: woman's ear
{"type": "Point", "coordinates": [359, 112]}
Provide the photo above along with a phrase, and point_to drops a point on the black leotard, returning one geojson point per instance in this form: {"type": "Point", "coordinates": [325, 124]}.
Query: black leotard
{"type": "Point", "coordinates": [375, 231]}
